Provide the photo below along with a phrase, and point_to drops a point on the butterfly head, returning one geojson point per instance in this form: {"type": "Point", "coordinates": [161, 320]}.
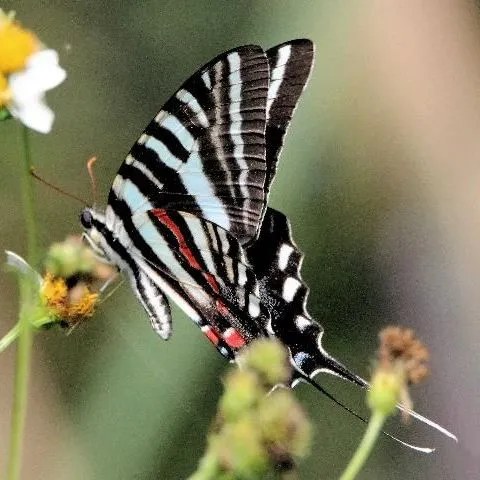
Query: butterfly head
{"type": "Point", "coordinates": [86, 218]}
{"type": "Point", "coordinates": [95, 230]}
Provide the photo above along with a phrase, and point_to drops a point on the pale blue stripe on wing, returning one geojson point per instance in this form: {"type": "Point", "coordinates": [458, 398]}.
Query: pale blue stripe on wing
{"type": "Point", "coordinates": [134, 197]}
{"type": "Point", "coordinates": [201, 183]}
{"type": "Point", "coordinates": [173, 124]}
{"type": "Point", "coordinates": [163, 153]}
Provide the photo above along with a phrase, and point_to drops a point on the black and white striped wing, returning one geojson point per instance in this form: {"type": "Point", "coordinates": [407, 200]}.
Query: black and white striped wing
{"type": "Point", "coordinates": [207, 160]}
{"type": "Point", "coordinates": [290, 65]}
{"type": "Point", "coordinates": [153, 300]}
{"type": "Point", "coordinates": [204, 153]}
{"type": "Point", "coordinates": [277, 261]}
{"type": "Point", "coordinates": [212, 149]}
{"type": "Point", "coordinates": [204, 270]}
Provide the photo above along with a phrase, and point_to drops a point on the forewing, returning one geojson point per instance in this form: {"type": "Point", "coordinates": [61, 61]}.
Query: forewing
{"type": "Point", "coordinates": [204, 153]}
{"type": "Point", "coordinates": [290, 65]}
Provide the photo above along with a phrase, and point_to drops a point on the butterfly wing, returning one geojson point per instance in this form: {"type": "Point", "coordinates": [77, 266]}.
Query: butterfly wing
{"type": "Point", "coordinates": [204, 270]}
{"type": "Point", "coordinates": [212, 149]}
{"type": "Point", "coordinates": [153, 300]}
{"type": "Point", "coordinates": [204, 153]}
{"type": "Point", "coordinates": [277, 261]}
{"type": "Point", "coordinates": [290, 65]}
{"type": "Point", "coordinates": [204, 159]}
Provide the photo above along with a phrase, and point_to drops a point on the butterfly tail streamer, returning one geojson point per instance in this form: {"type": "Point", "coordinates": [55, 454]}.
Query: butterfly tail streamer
{"type": "Point", "coordinates": [427, 421]}
{"type": "Point", "coordinates": [336, 368]}
{"type": "Point", "coordinates": [328, 364]}
{"type": "Point", "coordinates": [322, 390]}
{"type": "Point", "coordinates": [277, 263]}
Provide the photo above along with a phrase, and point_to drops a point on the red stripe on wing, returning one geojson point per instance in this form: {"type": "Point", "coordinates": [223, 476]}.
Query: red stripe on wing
{"type": "Point", "coordinates": [233, 339]}
{"type": "Point", "coordinates": [163, 216]}
{"type": "Point", "coordinates": [211, 334]}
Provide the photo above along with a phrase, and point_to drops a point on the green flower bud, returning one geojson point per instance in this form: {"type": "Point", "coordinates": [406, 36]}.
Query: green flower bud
{"type": "Point", "coordinates": [69, 258]}
{"type": "Point", "coordinates": [385, 391]}
{"type": "Point", "coordinates": [241, 450]}
{"type": "Point", "coordinates": [284, 425]}
{"type": "Point", "coordinates": [242, 392]}
{"type": "Point", "coordinates": [269, 359]}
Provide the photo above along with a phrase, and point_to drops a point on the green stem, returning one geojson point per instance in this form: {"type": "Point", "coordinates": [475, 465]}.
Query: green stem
{"type": "Point", "coordinates": [27, 300]}
{"type": "Point", "coordinates": [20, 394]}
{"type": "Point", "coordinates": [10, 337]}
{"type": "Point", "coordinates": [374, 428]}
{"type": "Point", "coordinates": [36, 321]}
{"type": "Point", "coordinates": [28, 199]}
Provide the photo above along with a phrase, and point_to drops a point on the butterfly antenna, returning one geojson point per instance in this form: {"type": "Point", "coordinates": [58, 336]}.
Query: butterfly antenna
{"type": "Point", "coordinates": [359, 417]}
{"type": "Point", "coordinates": [93, 183]}
{"type": "Point", "coordinates": [35, 175]}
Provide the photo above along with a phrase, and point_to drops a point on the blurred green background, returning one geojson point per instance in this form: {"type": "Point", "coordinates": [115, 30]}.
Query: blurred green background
{"type": "Point", "coordinates": [380, 177]}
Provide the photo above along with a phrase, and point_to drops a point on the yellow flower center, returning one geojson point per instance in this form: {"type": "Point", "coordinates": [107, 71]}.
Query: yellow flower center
{"type": "Point", "coordinates": [81, 302]}
{"type": "Point", "coordinates": [5, 93]}
{"type": "Point", "coordinates": [69, 305]}
{"type": "Point", "coordinates": [16, 45]}
{"type": "Point", "coordinates": [54, 292]}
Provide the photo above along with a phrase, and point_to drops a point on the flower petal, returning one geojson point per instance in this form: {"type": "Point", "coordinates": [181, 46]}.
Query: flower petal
{"type": "Point", "coordinates": [43, 57]}
{"type": "Point", "coordinates": [35, 115]}
{"type": "Point", "coordinates": [43, 66]}
{"type": "Point", "coordinates": [28, 88]}
{"type": "Point", "coordinates": [24, 88]}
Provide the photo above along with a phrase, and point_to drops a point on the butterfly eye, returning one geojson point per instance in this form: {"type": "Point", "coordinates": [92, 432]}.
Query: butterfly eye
{"type": "Point", "coordinates": [86, 219]}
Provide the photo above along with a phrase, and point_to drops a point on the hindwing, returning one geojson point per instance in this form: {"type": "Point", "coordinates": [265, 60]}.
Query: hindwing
{"type": "Point", "coordinates": [277, 261]}
{"type": "Point", "coordinates": [204, 270]}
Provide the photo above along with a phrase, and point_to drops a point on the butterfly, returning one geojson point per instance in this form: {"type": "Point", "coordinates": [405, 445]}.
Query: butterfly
{"type": "Point", "coordinates": [187, 216]}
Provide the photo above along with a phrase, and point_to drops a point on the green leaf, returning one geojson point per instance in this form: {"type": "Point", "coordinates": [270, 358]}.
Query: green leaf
{"type": "Point", "coordinates": [5, 114]}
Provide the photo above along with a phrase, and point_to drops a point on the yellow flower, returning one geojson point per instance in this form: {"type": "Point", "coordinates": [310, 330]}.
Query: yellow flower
{"type": "Point", "coordinates": [54, 292]}
{"type": "Point", "coordinates": [73, 277]}
{"type": "Point", "coordinates": [70, 290]}
{"type": "Point", "coordinates": [16, 44]}
{"type": "Point", "coordinates": [67, 305]}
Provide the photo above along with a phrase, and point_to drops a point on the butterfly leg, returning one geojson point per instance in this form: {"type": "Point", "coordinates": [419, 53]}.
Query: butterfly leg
{"type": "Point", "coordinates": [114, 277]}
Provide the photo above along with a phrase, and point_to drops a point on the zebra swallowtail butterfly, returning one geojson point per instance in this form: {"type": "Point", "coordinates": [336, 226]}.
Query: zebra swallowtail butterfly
{"type": "Point", "coordinates": [187, 216]}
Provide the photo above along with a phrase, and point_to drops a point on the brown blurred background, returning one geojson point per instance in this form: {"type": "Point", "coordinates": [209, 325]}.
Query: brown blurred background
{"type": "Point", "coordinates": [380, 177]}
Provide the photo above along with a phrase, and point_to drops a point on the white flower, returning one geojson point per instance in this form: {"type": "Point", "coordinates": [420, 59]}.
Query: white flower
{"type": "Point", "coordinates": [27, 90]}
